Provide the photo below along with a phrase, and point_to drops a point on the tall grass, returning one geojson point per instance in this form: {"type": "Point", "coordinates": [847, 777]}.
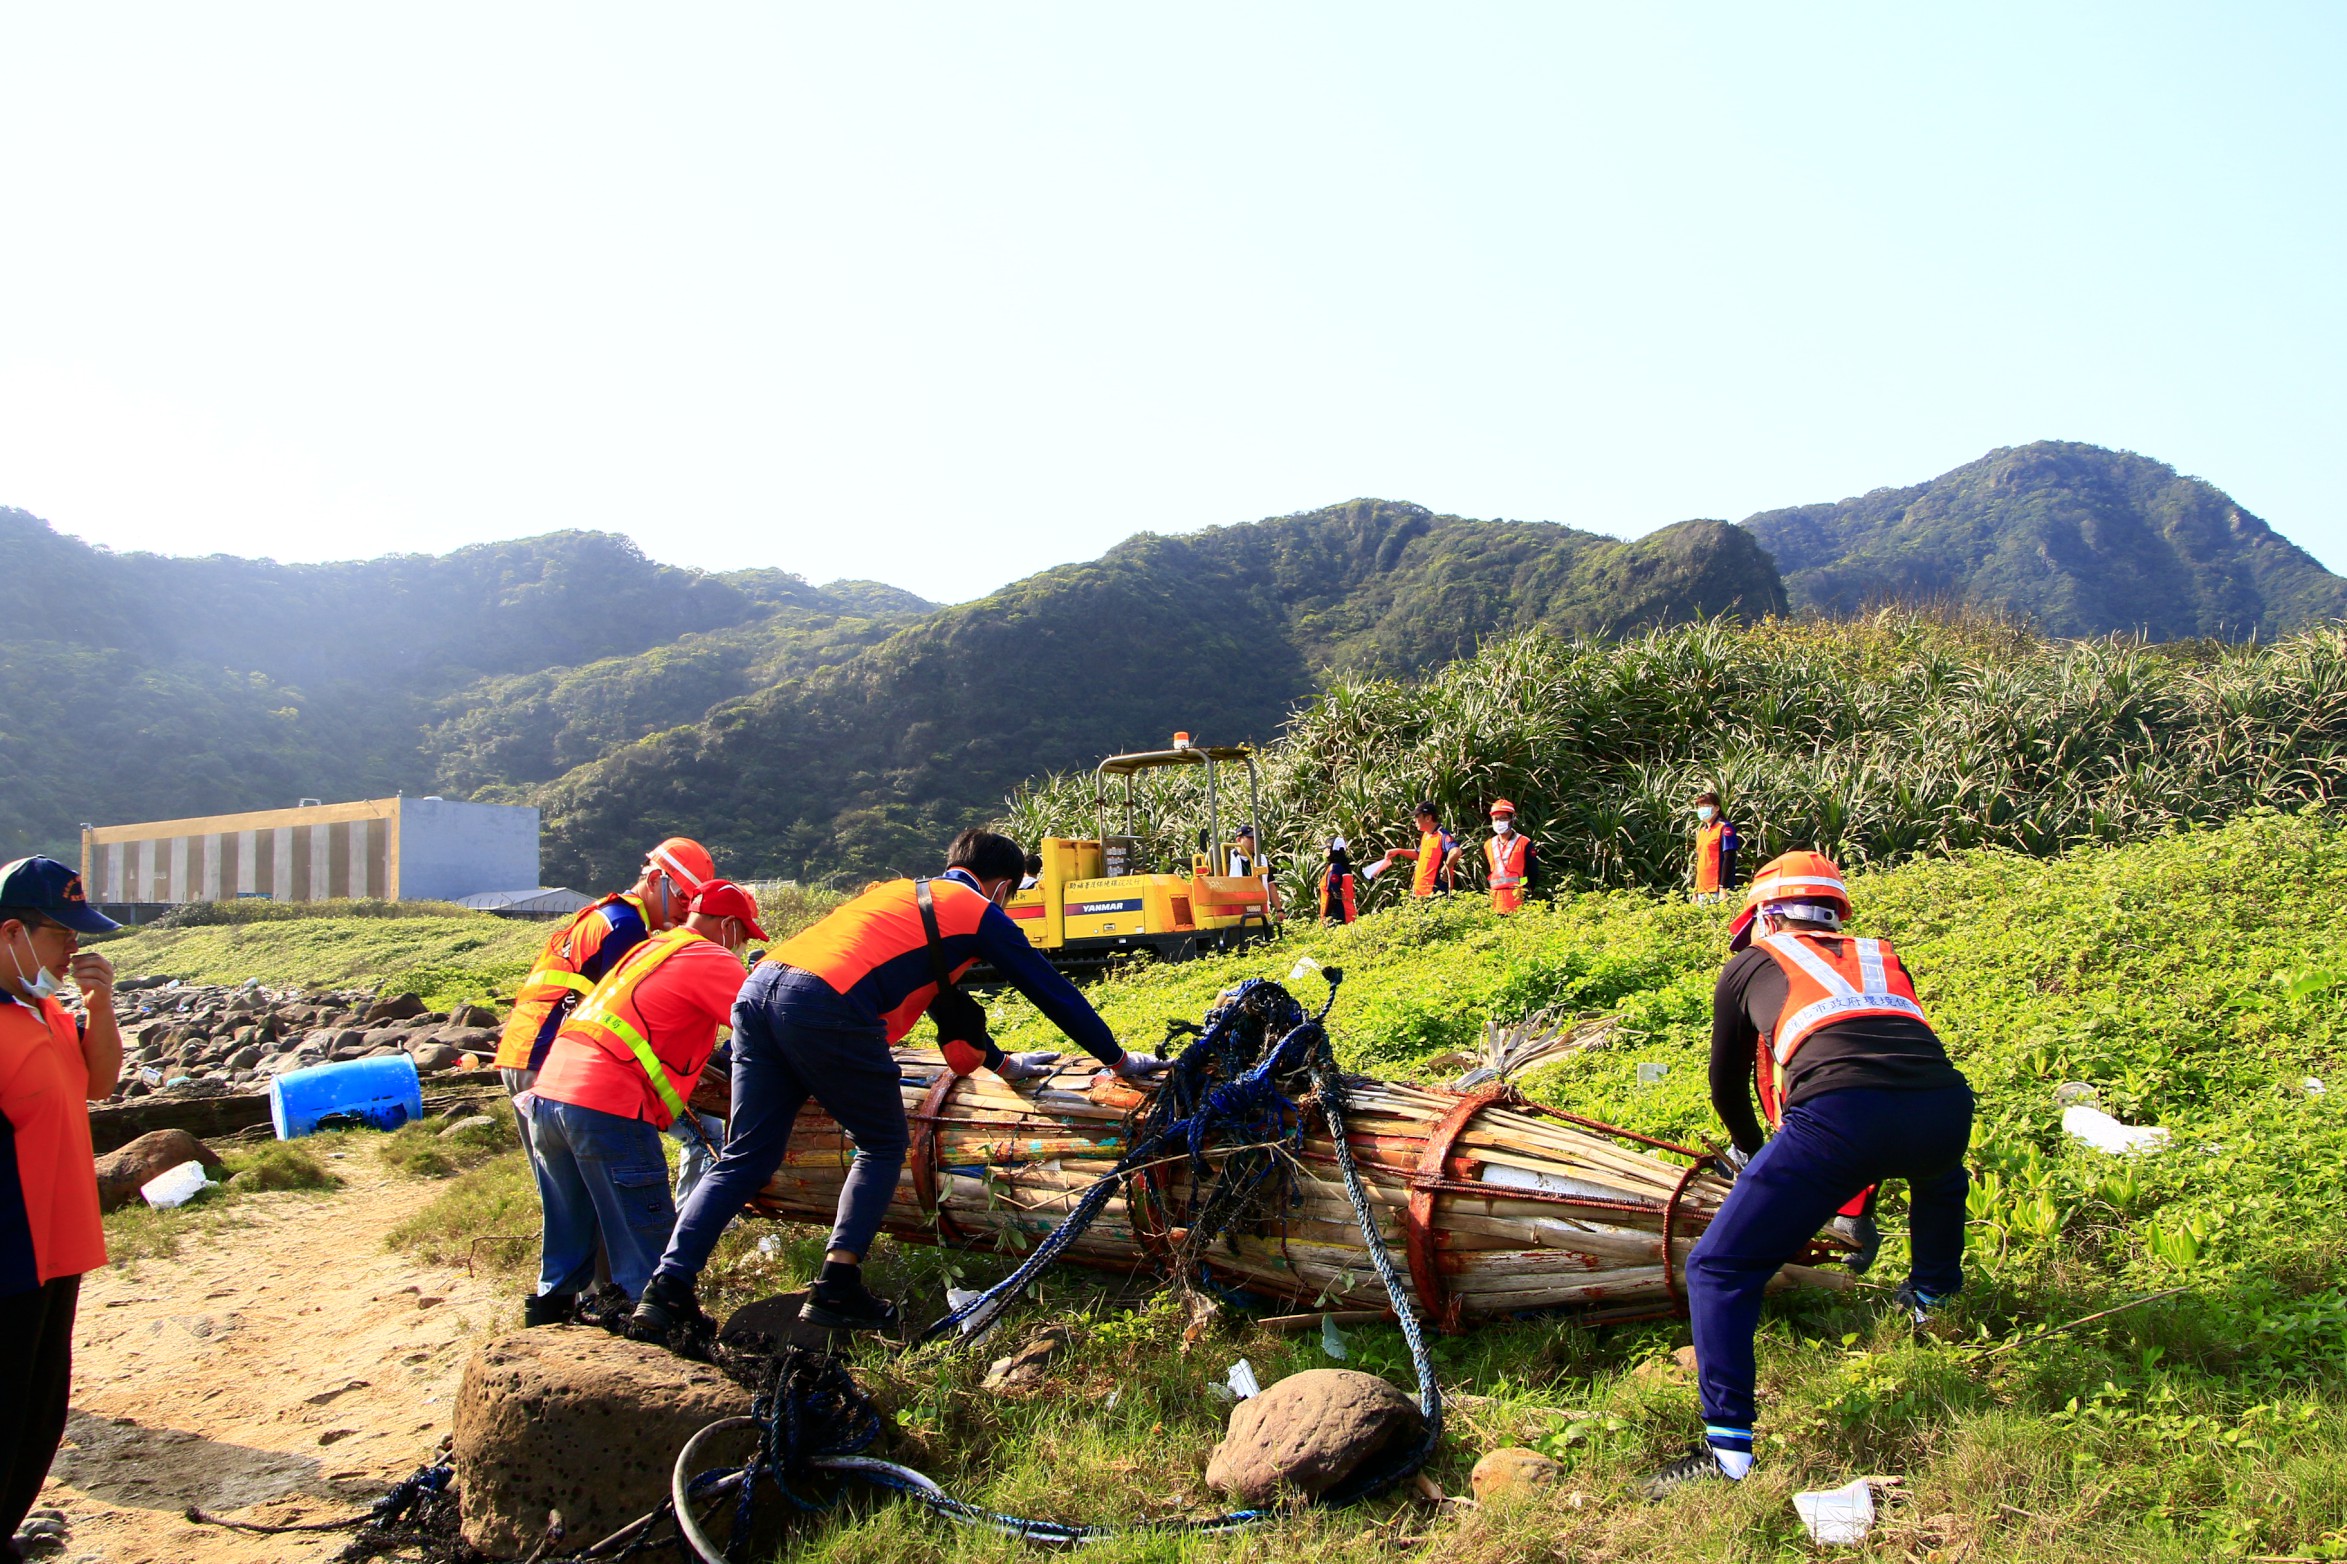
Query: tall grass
{"type": "Point", "coordinates": [1897, 736]}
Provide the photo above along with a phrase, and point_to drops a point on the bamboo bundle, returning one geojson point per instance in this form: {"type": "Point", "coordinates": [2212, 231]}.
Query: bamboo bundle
{"type": "Point", "coordinates": [1489, 1204]}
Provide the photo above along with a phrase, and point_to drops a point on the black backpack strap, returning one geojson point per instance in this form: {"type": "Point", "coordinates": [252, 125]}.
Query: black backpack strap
{"type": "Point", "coordinates": [928, 904]}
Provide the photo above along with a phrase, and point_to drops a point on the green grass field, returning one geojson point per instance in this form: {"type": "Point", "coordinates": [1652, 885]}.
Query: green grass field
{"type": "Point", "coordinates": [2195, 981]}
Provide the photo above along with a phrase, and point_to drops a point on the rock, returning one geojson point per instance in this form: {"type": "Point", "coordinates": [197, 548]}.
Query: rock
{"type": "Point", "coordinates": [245, 1058]}
{"type": "Point", "coordinates": [1512, 1473]}
{"type": "Point", "coordinates": [467, 1039]}
{"type": "Point", "coordinates": [1685, 1358]}
{"type": "Point", "coordinates": [152, 1032]}
{"type": "Point", "coordinates": [123, 1170]}
{"type": "Point", "coordinates": [290, 1061]}
{"type": "Point", "coordinates": [399, 1007]}
{"type": "Point", "coordinates": [473, 1016]}
{"type": "Point", "coordinates": [381, 1037]}
{"type": "Point", "coordinates": [574, 1419]}
{"type": "Point", "coordinates": [474, 1122]}
{"type": "Point", "coordinates": [432, 1058]}
{"type": "Point", "coordinates": [766, 1323]}
{"type": "Point", "coordinates": [1026, 1366]}
{"type": "Point", "coordinates": [1311, 1430]}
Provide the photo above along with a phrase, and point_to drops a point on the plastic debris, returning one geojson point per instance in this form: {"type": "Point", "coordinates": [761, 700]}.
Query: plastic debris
{"type": "Point", "coordinates": [1305, 966]}
{"type": "Point", "coordinates": [1241, 1379]}
{"type": "Point", "coordinates": [2071, 1093]}
{"type": "Point", "coordinates": [1837, 1515]}
{"type": "Point", "coordinates": [176, 1186]}
{"type": "Point", "coordinates": [1651, 1072]}
{"type": "Point", "coordinates": [2313, 1086]}
{"type": "Point", "coordinates": [2104, 1133]}
{"type": "Point", "coordinates": [1332, 1340]}
{"type": "Point", "coordinates": [977, 1325]}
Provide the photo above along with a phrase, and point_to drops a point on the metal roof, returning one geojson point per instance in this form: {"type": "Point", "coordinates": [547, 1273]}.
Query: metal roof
{"type": "Point", "coordinates": [1149, 759]}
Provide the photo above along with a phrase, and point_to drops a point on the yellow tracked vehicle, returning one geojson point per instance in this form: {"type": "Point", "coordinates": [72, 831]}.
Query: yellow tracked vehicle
{"type": "Point", "coordinates": [1097, 901]}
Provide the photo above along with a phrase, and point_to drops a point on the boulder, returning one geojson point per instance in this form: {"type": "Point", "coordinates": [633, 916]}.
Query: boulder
{"type": "Point", "coordinates": [1030, 1365]}
{"type": "Point", "coordinates": [467, 1039]}
{"type": "Point", "coordinates": [245, 1058]}
{"type": "Point", "coordinates": [476, 1121]}
{"type": "Point", "coordinates": [1512, 1473]}
{"type": "Point", "coordinates": [123, 1170]}
{"type": "Point", "coordinates": [432, 1058]}
{"type": "Point", "coordinates": [1310, 1431]}
{"type": "Point", "coordinates": [576, 1420]}
{"type": "Point", "coordinates": [290, 1061]}
{"type": "Point", "coordinates": [381, 1037]}
{"type": "Point", "coordinates": [473, 1016]}
{"type": "Point", "coordinates": [397, 1007]}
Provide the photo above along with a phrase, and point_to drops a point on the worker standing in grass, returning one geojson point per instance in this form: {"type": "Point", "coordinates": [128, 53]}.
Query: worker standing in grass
{"type": "Point", "coordinates": [619, 1073]}
{"type": "Point", "coordinates": [1716, 845]}
{"type": "Point", "coordinates": [1435, 858]}
{"type": "Point", "coordinates": [1859, 1089]}
{"type": "Point", "coordinates": [1336, 885]}
{"type": "Point", "coordinates": [51, 1069]}
{"type": "Point", "coordinates": [817, 1019]}
{"type": "Point", "coordinates": [579, 954]}
{"type": "Point", "coordinates": [1507, 859]}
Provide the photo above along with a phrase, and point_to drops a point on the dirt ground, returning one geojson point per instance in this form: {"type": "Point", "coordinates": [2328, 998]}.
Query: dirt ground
{"type": "Point", "coordinates": [287, 1367]}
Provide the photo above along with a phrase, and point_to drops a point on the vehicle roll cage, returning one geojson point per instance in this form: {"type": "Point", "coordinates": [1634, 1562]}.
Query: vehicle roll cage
{"type": "Point", "coordinates": [1184, 753]}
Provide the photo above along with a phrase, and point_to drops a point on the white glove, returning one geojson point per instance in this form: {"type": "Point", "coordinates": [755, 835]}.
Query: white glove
{"type": "Point", "coordinates": [1028, 1066]}
{"type": "Point", "coordinates": [1139, 1067]}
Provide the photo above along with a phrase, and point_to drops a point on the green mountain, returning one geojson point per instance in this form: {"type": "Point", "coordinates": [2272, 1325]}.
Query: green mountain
{"type": "Point", "coordinates": [140, 686]}
{"type": "Point", "coordinates": [2081, 540]}
{"type": "Point", "coordinates": [865, 765]}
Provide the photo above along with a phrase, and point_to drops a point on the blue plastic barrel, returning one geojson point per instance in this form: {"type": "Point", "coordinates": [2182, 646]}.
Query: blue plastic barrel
{"type": "Point", "coordinates": [381, 1093]}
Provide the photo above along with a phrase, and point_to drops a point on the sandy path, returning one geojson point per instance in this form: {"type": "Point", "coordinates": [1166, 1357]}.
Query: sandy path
{"type": "Point", "coordinates": [286, 1368]}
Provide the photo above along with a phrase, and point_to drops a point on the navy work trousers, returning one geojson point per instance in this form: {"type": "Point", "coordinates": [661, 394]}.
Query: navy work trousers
{"type": "Point", "coordinates": [1827, 1149]}
{"type": "Point", "coordinates": [793, 1038]}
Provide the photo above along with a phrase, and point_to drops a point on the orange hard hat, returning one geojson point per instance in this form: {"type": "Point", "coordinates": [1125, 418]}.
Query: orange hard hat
{"type": "Point", "coordinates": [1795, 876]}
{"type": "Point", "coordinates": [686, 861]}
{"type": "Point", "coordinates": [1500, 806]}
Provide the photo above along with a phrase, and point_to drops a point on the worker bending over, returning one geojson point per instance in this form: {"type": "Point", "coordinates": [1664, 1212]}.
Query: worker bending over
{"type": "Point", "coordinates": [1507, 859]}
{"type": "Point", "coordinates": [1855, 1081]}
{"type": "Point", "coordinates": [817, 1019]}
{"type": "Point", "coordinates": [581, 952]}
{"type": "Point", "coordinates": [619, 1073]}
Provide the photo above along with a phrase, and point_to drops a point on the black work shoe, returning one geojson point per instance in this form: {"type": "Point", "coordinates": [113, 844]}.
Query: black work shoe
{"type": "Point", "coordinates": [667, 1304]}
{"type": "Point", "coordinates": [548, 1308]}
{"type": "Point", "coordinates": [1869, 1240]}
{"type": "Point", "coordinates": [1916, 1304]}
{"type": "Point", "coordinates": [1696, 1466]}
{"type": "Point", "coordinates": [848, 1305]}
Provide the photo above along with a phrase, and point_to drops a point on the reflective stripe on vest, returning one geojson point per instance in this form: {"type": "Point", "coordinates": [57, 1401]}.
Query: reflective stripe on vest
{"type": "Point", "coordinates": [1819, 993]}
{"type": "Point", "coordinates": [1510, 872]}
{"type": "Point", "coordinates": [601, 1010]}
{"type": "Point", "coordinates": [554, 980]}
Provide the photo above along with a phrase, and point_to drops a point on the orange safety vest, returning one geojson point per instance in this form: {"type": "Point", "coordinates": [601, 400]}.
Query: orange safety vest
{"type": "Point", "coordinates": [1823, 986]}
{"type": "Point", "coordinates": [1433, 848]}
{"type": "Point", "coordinates": [1707, 854]}
{"type": "Point", "coordinates": [1506, 858]}
{"type": "Point", "coordinates": [612, 1021]}
{"type": "Point", "coordinates": [555, 981]}
{"type": "Point", "coordinates": [878, 927]}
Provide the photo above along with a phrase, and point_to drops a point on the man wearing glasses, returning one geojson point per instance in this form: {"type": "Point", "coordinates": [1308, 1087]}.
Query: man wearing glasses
{"type": "Point", "coordinates": [51, 1068]}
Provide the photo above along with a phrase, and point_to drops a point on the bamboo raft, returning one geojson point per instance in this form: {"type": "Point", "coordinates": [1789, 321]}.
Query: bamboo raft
{"type": "Point", "coordinates": [1498, 1205]}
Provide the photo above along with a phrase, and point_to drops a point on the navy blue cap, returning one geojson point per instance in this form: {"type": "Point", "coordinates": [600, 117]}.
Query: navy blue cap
{"type": "Point", "coordinates": [53, 890]}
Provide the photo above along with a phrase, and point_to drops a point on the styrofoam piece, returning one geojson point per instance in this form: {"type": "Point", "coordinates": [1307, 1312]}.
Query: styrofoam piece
{"type": "Point", "coordinates": [1837, 1515]}
{"type": "Point", "coordinates": [2104, 1133]}
{"type": "Point", "coordinates": [1242, 1381]}
{"type": "Point", "coordinates": [175, 1186]}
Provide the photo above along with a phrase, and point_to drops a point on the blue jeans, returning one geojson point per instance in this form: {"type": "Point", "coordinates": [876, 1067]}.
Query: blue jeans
{"type": "Point", "coordinates": [1826, 1150]}
{"type": "Point", "coordinates": [793, 1038]}
{"type": "Point", "coordinates": [696, 1159]}
{"type": "Point", "coordinates": [599, 1175]}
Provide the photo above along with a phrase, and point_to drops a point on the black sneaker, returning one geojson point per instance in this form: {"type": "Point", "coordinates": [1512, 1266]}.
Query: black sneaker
{"type": "Point", "coordinates": [667, 1304]}
{"type": "Point", "coordinates": [1696, 1466]}
{"type": "Point", "coordinates": [552, 1308]}
{"type": "Point", "coordinates": [1869, 1241]}
{"type": "Point", "coordinates": [1916, 1304]}
{"type": "Point", "coordinates": [848, 1305]}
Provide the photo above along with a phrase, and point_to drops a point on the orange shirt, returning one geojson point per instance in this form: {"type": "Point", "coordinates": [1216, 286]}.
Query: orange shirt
{"type": "Point", "coordinates": [48, 1181]}
{"type": "Point", "coordinates": [683, 1002]}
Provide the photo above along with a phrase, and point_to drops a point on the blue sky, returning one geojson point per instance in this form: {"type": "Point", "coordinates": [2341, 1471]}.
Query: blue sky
{"type": "Point", "coordinates": [946, 294]}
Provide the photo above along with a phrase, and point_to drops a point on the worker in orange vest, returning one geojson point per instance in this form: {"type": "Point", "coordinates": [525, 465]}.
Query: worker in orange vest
{"type": "Point", "coordinates": [1434, 860]}
{"type": "Point", "coordinates": [1858, 1088]}
{"type": "Point", "coordinates": [818, 1018]}
{"type": "Point", "coordinates": [582, 951]}
{"type": "Point", "coordinates": [1716, 844]}
{"type": "Point", "coordinates": [619, 1073]}
{"type": "Point", "coordinates": [1507, 859]}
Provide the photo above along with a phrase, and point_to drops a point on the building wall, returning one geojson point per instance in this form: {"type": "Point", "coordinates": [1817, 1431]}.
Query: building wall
{"type": "Point", "coordinates": [389, 848]}
{"type": "Point", "coordinates": [449, 850]}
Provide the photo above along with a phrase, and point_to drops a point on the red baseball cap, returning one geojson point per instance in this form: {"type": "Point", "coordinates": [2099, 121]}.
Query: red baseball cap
{"type": "Point", "coordinates": [686, 861]}
{"type": "Point", "coordinates": [724, 899]}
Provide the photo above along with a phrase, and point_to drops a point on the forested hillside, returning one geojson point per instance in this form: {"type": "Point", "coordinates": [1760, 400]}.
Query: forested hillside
{"type": "Point", "coordinates": [2078, 539]}
{"type": "Point", "coordinates": [869, 764]}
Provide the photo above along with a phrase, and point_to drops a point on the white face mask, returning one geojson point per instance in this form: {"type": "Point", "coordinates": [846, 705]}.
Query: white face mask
{"type": "Point", "coordinates": [42, 984]}
{"type": "Point", "coordinates": [1503, 824]}
{"type": "Point", "coordinates": [1704, 813]}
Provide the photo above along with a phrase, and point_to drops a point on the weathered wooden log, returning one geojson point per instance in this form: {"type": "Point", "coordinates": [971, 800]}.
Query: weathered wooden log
{"type": "Point", "coordinates": [1489, 1205]}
